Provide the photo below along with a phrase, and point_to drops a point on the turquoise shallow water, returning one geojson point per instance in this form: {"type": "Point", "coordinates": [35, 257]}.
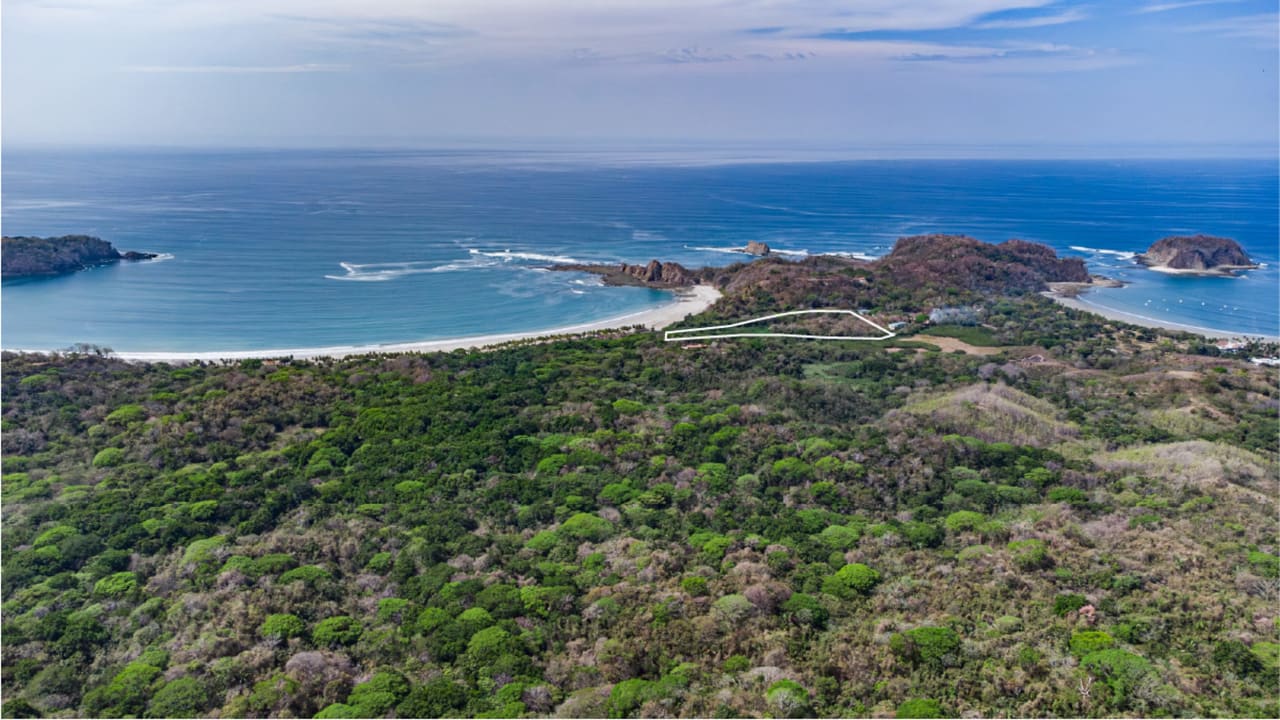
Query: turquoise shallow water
{"type": "Point", "coordinates": [311, 249]}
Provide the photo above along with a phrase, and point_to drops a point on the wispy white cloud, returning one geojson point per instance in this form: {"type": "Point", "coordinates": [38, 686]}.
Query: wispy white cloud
{"type": "Point", "coordinates": [1167, 6]}
{"type": "Point", "coordinates": [1067, 16]}
{"type": "Point", "coordinates": [1262, 28]}
{"type": "Point", "coordinates": [236, 69]}
{"type": "Point", "coordinates": [1017, 57]}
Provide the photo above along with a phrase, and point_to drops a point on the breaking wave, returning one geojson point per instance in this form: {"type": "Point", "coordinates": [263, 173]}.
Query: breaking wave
{"type": "Point", "coordinates": [508, 255]}
{"type": "Point", "coordinates": [1098, 251]}
{"type": "Point", "coordinates": [382, 272]}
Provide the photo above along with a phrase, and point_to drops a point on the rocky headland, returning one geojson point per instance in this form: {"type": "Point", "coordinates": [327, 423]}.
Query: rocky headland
{"type": "Point", "coordinates": [655, 274]}
{"type": "Point", "coordinates": [39, 257]}
{"type": "Point", "coordinates": [1196, 254]}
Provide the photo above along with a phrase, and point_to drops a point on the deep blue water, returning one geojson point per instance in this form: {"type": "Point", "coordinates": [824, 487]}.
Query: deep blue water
{"type": "Point", "coordinates": [312, 249]}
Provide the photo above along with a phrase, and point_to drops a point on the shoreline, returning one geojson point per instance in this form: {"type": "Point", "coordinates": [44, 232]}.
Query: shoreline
{"type": "Point", "coordinates": [690, 301]}
{"type": "Point", "coordinates": [1077, 303]}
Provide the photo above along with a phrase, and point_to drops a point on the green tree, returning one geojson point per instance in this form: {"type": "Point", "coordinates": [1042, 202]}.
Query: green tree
{"type": "Point", "coordinates": [282, 626]}
{"type": "Point", "coordinates": [851, 581]}
{"type": "Point", "coordinates": [181, 698]}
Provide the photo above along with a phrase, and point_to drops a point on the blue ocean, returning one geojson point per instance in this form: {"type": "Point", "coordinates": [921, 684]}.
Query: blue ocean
{"type": "Point", "coordinates": [306, 249]}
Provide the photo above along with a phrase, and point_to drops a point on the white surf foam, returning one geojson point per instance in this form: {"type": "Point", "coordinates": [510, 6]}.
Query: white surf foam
{"type": "Point", "coordinates": [382, 272]}
{"type": "Point", "coordinates": [1101, 251]}
{"type": "Point", "coordinates": [509, 255]}
{"type": "Point", "coordinates": [853, 255]}
{"type": "Point", "coordinates": [731, 250]}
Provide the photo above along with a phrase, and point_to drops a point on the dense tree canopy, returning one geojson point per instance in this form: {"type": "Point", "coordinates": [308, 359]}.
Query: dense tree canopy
{"type": "Point", "coordinates": [1077, 519]}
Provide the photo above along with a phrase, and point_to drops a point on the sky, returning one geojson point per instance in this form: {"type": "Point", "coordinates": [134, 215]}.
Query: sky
{"type": "Point", "coordinates": [994, 74]}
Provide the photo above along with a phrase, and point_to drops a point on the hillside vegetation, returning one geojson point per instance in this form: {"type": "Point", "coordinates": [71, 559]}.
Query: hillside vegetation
{"type": "Point", "coordinates": [1081, 523]}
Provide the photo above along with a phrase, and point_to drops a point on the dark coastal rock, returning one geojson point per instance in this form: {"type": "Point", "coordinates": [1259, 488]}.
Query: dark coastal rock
{"type": "Point", "coordinates": [35, 257]}
{"type": "Point", "coordinates": [655, 274]}
{"type": "Point", "coordinates": [1196, 253]}
{"type": "Point", "coordinates": [757, 248]}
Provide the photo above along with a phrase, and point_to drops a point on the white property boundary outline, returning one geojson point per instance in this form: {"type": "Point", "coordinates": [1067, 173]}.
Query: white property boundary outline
{"type": "Point", "coordinates": [686, 334]}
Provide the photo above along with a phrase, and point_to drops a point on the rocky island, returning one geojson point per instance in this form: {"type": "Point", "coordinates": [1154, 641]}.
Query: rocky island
{"type": "Point", "coordinates": [42, 257]}
{"type": "Point", "coordinates": [1196, 254]}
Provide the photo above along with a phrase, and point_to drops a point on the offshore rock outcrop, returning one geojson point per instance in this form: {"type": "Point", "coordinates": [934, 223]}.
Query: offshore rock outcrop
{"type": "Point", "coordinates": [39, 257]}
{"type": "Point", "coordinates": [1196, 254]}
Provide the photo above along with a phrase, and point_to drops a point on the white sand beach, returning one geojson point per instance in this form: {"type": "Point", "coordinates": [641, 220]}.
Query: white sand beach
{"type": "Point", "coordinates": [688, 302]}
{"type": "Point", "coordinates": [1143, 320]}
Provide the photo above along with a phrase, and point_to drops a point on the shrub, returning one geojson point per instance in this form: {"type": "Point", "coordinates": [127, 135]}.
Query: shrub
{"type": "Point", "coordinates": [921, 534]}
{"type": "Point", "coordinates": [334, 631]}
{"type": "Point", "coordinates": [310, 574]}
{"type": "Point", "coordinates": [963, 520]}
{"type": "Point", "coordinates": [736, 663]}
{"type": "Point", "coordinates": [200, 551]}
{"type": "Point", "coordinates": [476, 617]}
{"type": "Point", "coordinates": [1122, 671]}
{"type": "Point", "coordinates": [1090, 641]}
{"type": "Point", "coordinates": [1236, 657]}
{"type": "Point", "coordinates": [380, 562]}
{"type": "Point", "coordinates": [1069, 495]}
{"type": "Point", "coordinates": [1064, 605]}
{"type": "Point", "coordinates": [1030, 554]}
{"type": "Point", "coordinates": [584, 526]}
{"type": "Point", "coordinates": [920, 708]}
{"type": "Point", "coordinates": [805, 610]}
{"type": "Point", "coordinates": [282, 626]}
{"type": "Point", "coordinates": [695, 585]}
{"type": "Point", "coordinates": [850, 581]}
{"type": "Point", "coordinates": [127, 693]}
{"type": "Point", "coordinates": [627, 696]}
{"type": "Point", "coordinates": [489, 643]}
{"type": "Point", "coordinates": [375, 696]}
{"type": "Point", "coordinates": [116, 585]}
{"type": "Point", "coordinates": [788, 698]}
{"type": "Point", "coordinates": [432, 618]}
{"type": "Point", "coordinates": [440, 697]}
{"type": "Point", "coordinates": [273, 564]}
{"type": "Point", "coordinates": [932, 646]}
{"type": "Point", "coordinates": [543, 541]}
{"type": "Point", "coordinates": [108, 457]}
{"type": "Point", "coordinates": [1265, 564]}
{"type": "Point", "coordinates": [126, 414]}
{"type": "Point", "coordinates": [627, 407]}
{"type": "Point", "coordinates": [839, 537]}
{"type": "Point", "coordinates": [181, 698]}
{"type": "Point", "coordinates": [734, 608]}
{"type": "Point", "coordinates": [1007, 624]}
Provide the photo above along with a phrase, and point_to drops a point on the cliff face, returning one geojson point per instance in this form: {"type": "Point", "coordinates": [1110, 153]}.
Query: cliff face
{"type": "Point", "coordinates": [33, 256]}
{"type": "Point", "coordinates": [1015, 266]}
{"type": "Point", "coordinates": [1202, 253]}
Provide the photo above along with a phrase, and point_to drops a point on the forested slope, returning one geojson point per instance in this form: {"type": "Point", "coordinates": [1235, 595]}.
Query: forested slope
{"type": "Point", "coordinates": [1081, 522]}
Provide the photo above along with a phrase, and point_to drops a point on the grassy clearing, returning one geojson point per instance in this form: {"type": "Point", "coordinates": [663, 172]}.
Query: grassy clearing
{"type": "Point", "coordinates": [977, 336]}
{"type": "Point", "coordinates": [1196, 462]}
{"type": "Point", "coordinates": [996, 413]}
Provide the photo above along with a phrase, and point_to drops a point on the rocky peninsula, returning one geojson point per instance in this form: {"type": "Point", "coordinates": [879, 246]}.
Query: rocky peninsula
{"type": "Point", "coordinates": [1196, 254]}
{"type": "Point", "coordinates": [655, 274]}
{"type": "Point", "coordinates": [41, 257]}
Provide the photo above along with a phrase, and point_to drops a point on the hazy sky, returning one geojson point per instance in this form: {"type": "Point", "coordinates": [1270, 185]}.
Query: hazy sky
{"type": "Point", "coordinates": [856, 73]}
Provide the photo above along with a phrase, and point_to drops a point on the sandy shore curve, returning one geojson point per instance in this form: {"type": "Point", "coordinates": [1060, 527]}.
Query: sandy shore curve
{"type": "Point", "coordinates": [1078, 303]}
{"type": "Point", "coordinates": [688, 301]}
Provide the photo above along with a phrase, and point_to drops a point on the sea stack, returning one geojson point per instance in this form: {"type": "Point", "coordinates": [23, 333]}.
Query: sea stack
{"type": "Point", "coordinates": [757, 248]}
{"type": "Point", "coordinates": [1196, 254]}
